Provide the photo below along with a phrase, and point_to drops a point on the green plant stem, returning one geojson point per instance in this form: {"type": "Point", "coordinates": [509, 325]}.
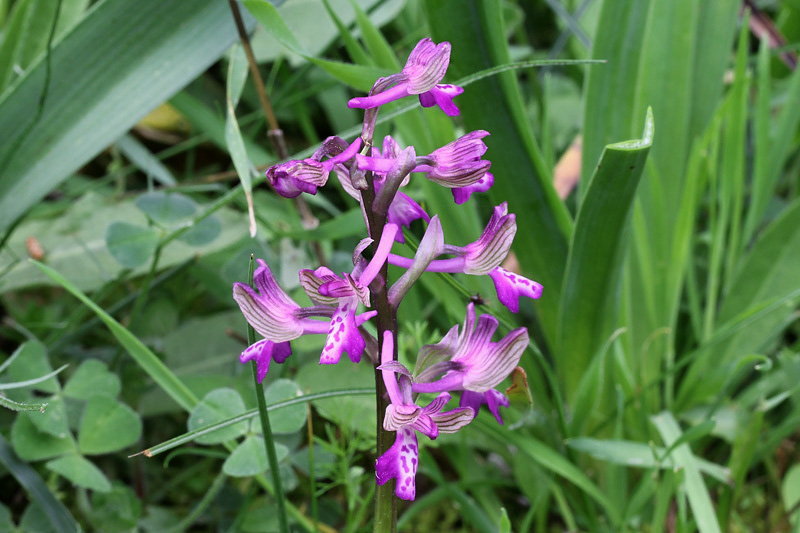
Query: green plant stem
{"type": "Point", "coordinates": [266, 428]}
{"type": "Point", "coordinates": [205, 501]}
{"type": "Point", "coordinates": [311, 470]}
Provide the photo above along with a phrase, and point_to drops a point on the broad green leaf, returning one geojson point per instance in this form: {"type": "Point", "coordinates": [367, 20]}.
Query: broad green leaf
{"type": "Point", "coordinates": [81, 472]}
{"type": "Point", "coordinates": [590, 294]}
{"type": "Point", "coordinates": [166, 209]}
{"type": "Point", "coordinates": [216, 406]}
{"type": "Point", "coordinates": [291, 419]}
{"type": "Point", "coordinates": [377, 46]}
{"type": "Point", "coordinates": [149, 362]}
{"type": "Point", "coordinates": [521, 176]}
{"type": "Point", "coordinates": [53, 420]}
{"type": "Point", "coordinates": [30, 362]}
{"type": "Point", "coordinates": [250, 458]}
{"type": "Point", "coordinates": [34, 445]}
{"type": "Point", "coordinates": [790, 492]}
{"type": "Point", "coordinates": [204, 232]}
{"type": "Point", "coordinates": [640, 455]}
{"type": "Point", "coordinates": [96, 93]}
{"type": "Point", "coordinates": [107, 426]}
{"type": "Point", "coordinates": [92, 379]}
{"type": "Point", "coordinates": [696, 491]}
{"type": "Point", "coordinates": [37, 489]}
{"type": "Point", "coordinates": [132, 246]}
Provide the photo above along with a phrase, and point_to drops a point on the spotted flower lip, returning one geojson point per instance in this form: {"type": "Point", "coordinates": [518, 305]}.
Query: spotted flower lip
{"type": "Point", "coordinates": [511, 286]}
{"type": "Point", "coordinates": [492, 399]}
{"type": "Point", "coordinates": [421, 75]}
{"type": "Point", "coordinates": [473, 362]}
{"type": "Point", "coordinates": [294, 177]}
{"type": "Point", "coordinates": [406, 418]}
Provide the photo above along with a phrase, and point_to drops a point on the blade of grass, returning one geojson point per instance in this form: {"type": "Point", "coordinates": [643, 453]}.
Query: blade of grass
{"type": "Point", "coordinates": [57, 514]}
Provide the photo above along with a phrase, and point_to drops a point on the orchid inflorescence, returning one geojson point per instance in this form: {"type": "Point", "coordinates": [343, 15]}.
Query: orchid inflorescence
{"type": "Point", "coordinates": [465, 360]}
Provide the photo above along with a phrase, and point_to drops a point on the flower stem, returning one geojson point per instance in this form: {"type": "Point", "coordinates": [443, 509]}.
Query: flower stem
{"type": "Point", "coordinates": [266, 428]}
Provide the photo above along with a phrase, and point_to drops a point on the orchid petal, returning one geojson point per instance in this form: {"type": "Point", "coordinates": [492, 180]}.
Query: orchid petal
{"type": "Point", "coordinates": [510, 287]}
{"type": "Point", "coordinates": [400, 463]}
{"type": "Point", "coordinates": [452, 421]}
{"type": "Point", "coordinates": [343, 335]}
{"type": "Point", "coordinates": [263, 352]}
{"type": "Point", "coordinates": [270, 311]}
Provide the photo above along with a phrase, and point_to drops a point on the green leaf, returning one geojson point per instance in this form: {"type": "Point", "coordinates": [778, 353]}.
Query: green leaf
{"type": "Point", "coordinates": [92, 379]}
{"type": "Point", "coordinates": [250, 458]}
{"type": "Point", "coordinates": [292, 419]}
{"type": "Point", "coordinates": [49, 505]}
{"type": "Point", "coordinates": [699, 498]}
{"type": "Point", "coordinates": [95, 94]}
{"type": "Point", "coordinates": [107, 426]}
{"type": "Point", "coordinates": [145, 160]}
{"type": "Point", "coordinates": [216, 406]}
{"type": "Point", "coordinates": [522, 177]}
{"type": "Point", "coordinates": [30, 362]}
{"type": "Point", "coordinates": [81, 472]}
{"type": "Point", "coordinates": [590, 294]}
{"type": "Point", "coordinates": [53, 420]}
{"type": "Point", "coordinates": [203, 232]}
{"type": "Point", "coordinates": [549, 459]}
{"type": "Point", "coordinates": [790, 491]}
{"type": "Point", "coordinates": [34, 445]}
{"type": "Point", "coordinates": [117, 510]}
{"type": "Point", "coordinates": [356, 413]}
{"type": "Point", "coordinates": [131, 245]}
{"type": "Point", "coordinates": [166, 209]}
{"type": "Point", "coordinates": [149, 362]}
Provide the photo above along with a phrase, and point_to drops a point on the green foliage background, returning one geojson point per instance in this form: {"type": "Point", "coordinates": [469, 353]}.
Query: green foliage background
{"type": "Point", "coordinates": [664, 368]}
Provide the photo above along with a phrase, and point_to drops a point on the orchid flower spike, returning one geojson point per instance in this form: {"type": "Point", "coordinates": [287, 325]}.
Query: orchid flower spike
{"type": "Point", "coordinates": [294, 177]}
{"type": "Point", "coordinates": [406, 418]}
{"type": "Point", "coordinates": [422, 74]}
{"type": "Point", "coordinates": [471, 361]}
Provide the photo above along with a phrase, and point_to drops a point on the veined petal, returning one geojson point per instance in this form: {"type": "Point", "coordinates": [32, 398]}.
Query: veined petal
{"type": "Point", "coordinates": [400, 463]}
{"type": "Point", "coordinates": [312, 280]}
{"type": "Point", "coordinates": [489, 251]}
{"type": "Point", "coordinates": [425, 425]}
{"type": "Point", "coordinates": [489, 367]}
{"type": "Point", "coordinates": [263, 352]}
{"type": "Point", "coordinates": [437, 404]}
{"type": "Point", "coordinates": [270, 311]}
{"type": "Point", "coordinates": [426, 65]}
{"type": "Point", "coordinates": [343, 334]}
{"type": "Point", "coordinates": [403, 211]}
{"type": "Point", "coordinates": [399, 416]}
{"type": "Point", "coordinates": [510, 287]}
{"type": "Point", "coordinates": [294, 177]}
{"type": "Point", "coordinates": [452, 421]}
{"type": "Point", "coordinates": [429, 248]}
{"type": "Point", "coordinates": [430, 354]}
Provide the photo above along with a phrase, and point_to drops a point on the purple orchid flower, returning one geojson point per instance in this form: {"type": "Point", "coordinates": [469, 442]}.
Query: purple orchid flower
{"type": "Point", "coordinates": [492, 399]}
{"type": "Point", "coordinates": [454, 165]}
{"type": "Point", "coordinates": [344, 293]}
{"type": "Point", "coordinates": [406, 418]}
{"type": "Point", "coordinates": [295, 177]}
{"type": "Point", "coordinates": [462, 194]}
{"type": "Point", "coordinates": [470, 361]}
{"type": "Point", "coordinates": [279, 319]}
{"type": "Point", "coordinates": [424, 69]}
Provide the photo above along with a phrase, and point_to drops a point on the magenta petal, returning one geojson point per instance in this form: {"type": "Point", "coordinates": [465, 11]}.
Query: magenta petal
{"type": "Point", "coordinates": [403, 211]}
{"type": "Point", "coordinates": [343, 335]}
{"type": "Point", "coordinates": [491, 398]}
{"type": "Point", "coordinates": [263, 352]}
{"type": "Point", "coordinates": [463, 194]}
{"type": "Point", "coordinates": [400, 463]}
{"type": "Point", "coordinates": [510, 287]}
{"type": "Point", "coordinates": [425, 425]}
{"type": "Point", "coordinates": [389, 95]}
{"type": "Point", "coordinates": [442, 95]}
